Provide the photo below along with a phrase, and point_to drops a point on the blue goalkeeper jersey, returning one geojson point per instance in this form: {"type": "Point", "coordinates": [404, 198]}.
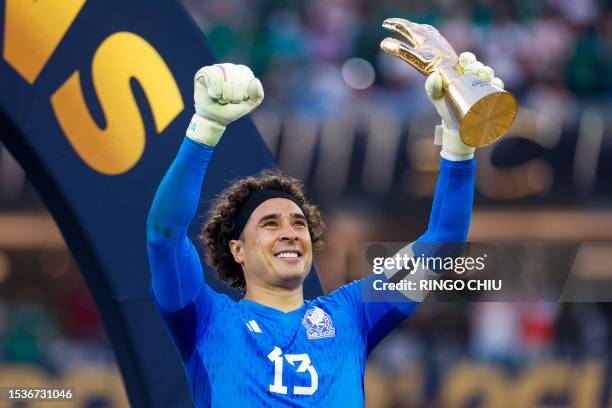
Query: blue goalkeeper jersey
{"type": "Point", "coordinates": [243, 354]}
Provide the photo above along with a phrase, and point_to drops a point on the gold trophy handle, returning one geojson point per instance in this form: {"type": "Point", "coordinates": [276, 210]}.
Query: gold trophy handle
{"type": "Point", "coordinates": [482, 111]}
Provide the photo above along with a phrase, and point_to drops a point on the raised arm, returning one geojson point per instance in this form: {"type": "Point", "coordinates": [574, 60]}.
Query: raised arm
{"type": "Point", "coordinates": [176, 272]}
{"type": "Point", "coordinates": [449, 221]}
{"type": "Point", "coordinates": [222, 93]}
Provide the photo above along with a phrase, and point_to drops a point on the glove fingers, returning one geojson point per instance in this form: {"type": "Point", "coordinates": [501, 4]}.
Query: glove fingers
{"type": "Point", "coordinates": [466, 59]}
{"type": "Point", "coordinates": [255, 92]}
{"type": "Point", "coordinates": [223, 83]}
{"type": "Point", "coordinates": [486, 73]}
{"type": "Point", "coordinates": [474, 68]}
{"type": "Point", "coordinates": [434, 86]}
{"type": "Point", "coordinates": [497, 82]}
{"type": "Point", "coordinates": [232, 92]}
{"type": "Point", "coordinates": [210, 79]}
{"type": "Point", "coordinates": [242, 90]}
{"type": "Point", "coordinates": [235, 89]}
{"type": "Point", "coordinates": [248, 77]}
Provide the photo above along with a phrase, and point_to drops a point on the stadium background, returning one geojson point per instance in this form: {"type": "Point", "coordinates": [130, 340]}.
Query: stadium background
{"type": "Point", "coordinates": [356, 127]}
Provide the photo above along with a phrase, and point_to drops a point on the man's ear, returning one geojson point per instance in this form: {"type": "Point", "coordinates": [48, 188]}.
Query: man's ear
{"type": "Point", "coordinates": [237, 249]}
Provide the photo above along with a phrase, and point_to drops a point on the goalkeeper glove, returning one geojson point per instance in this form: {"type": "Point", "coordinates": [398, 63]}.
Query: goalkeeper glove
{"type": "Point", "coordinates": [447, 133]}
{"type": "Point", "coordinates": [222, 94]}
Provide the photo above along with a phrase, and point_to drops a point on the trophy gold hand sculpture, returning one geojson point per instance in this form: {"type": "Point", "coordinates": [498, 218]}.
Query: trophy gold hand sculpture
{"type": "Point", "coordinates": [483, 111]}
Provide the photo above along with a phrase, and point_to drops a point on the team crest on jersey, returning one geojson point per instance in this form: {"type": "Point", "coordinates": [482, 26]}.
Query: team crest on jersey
{"type": "Point", "coordinates": [318, 324]}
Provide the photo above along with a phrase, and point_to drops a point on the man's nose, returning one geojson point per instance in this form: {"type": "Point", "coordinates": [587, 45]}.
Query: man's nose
{"type": "Point", "coordinates": [288, 232]}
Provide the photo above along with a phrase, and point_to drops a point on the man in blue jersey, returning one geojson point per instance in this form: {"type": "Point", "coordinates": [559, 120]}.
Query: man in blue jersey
{"type": "Point", "coordinates": [273, 348]}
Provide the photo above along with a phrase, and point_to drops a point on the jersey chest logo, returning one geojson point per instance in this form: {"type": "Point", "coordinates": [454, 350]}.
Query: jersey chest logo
{"type": "Point", "coordinates": [318, 324]}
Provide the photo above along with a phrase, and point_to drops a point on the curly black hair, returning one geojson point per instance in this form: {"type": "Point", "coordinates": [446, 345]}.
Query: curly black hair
{"type": "Point", "coordinates": [221, 221]}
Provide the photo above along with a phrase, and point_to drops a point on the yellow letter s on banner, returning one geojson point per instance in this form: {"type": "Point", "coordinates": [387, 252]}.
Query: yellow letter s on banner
{"type": "Point", "coordinates": [118, 147]}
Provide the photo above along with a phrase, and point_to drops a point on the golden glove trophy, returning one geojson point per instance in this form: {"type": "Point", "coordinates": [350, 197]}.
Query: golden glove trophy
{"type": "Point", "coordinates": [483, 111]}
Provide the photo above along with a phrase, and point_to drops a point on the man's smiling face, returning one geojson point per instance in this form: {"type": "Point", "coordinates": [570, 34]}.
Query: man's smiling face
{"type": "Point", "coordinates": [275, 249]}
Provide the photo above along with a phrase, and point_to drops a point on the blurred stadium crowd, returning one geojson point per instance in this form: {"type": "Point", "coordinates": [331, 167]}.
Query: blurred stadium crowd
{"type": "Point", "coordinates": [330, 93]}
{"type": "Point", "coordinates": [358, 120]}
{"type": "Point", "coordinates": [313, 55]}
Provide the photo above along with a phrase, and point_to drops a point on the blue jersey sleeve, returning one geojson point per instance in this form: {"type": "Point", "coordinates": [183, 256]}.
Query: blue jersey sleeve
{"type": "Point", "coordinates": [373, 320]}
{"type": "Point", "coordinates": [177, 280]}
{"type": "Point", "coordinates": [449, 222]}
{"type": "Point", "coordinates": [187, 324]}
{"type": "Point", "coordinates": [451, 212]}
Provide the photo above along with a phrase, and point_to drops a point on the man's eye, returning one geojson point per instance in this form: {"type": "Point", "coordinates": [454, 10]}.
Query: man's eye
{"type": "Point", "coordinates": [269, 224]}
{"type": "Point", "coordinates": [300, 223]}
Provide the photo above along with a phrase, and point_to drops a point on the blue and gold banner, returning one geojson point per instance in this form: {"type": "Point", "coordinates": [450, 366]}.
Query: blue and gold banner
{"type": "Point", "coordinates": [95, 97]}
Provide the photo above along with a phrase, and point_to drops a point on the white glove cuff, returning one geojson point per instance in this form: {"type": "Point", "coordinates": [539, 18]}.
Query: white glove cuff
{"type": "Point", "coordinates": [204, 131]}
{"type": "Point", "coordinates": [453, 147]}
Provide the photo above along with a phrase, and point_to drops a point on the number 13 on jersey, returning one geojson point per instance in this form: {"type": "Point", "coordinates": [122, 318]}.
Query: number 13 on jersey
{"type": "Point", "coordinates": [276, 356]}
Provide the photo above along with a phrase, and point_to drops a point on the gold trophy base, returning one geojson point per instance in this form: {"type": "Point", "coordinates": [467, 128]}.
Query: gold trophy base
{"type": "Point", "coordinates": [484, 112]}
{"type": "Point", "coordinates": [488, 119]}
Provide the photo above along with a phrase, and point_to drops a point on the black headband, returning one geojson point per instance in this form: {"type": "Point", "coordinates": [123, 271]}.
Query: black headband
{"type": "Point", "coordinates": [255, 199]}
